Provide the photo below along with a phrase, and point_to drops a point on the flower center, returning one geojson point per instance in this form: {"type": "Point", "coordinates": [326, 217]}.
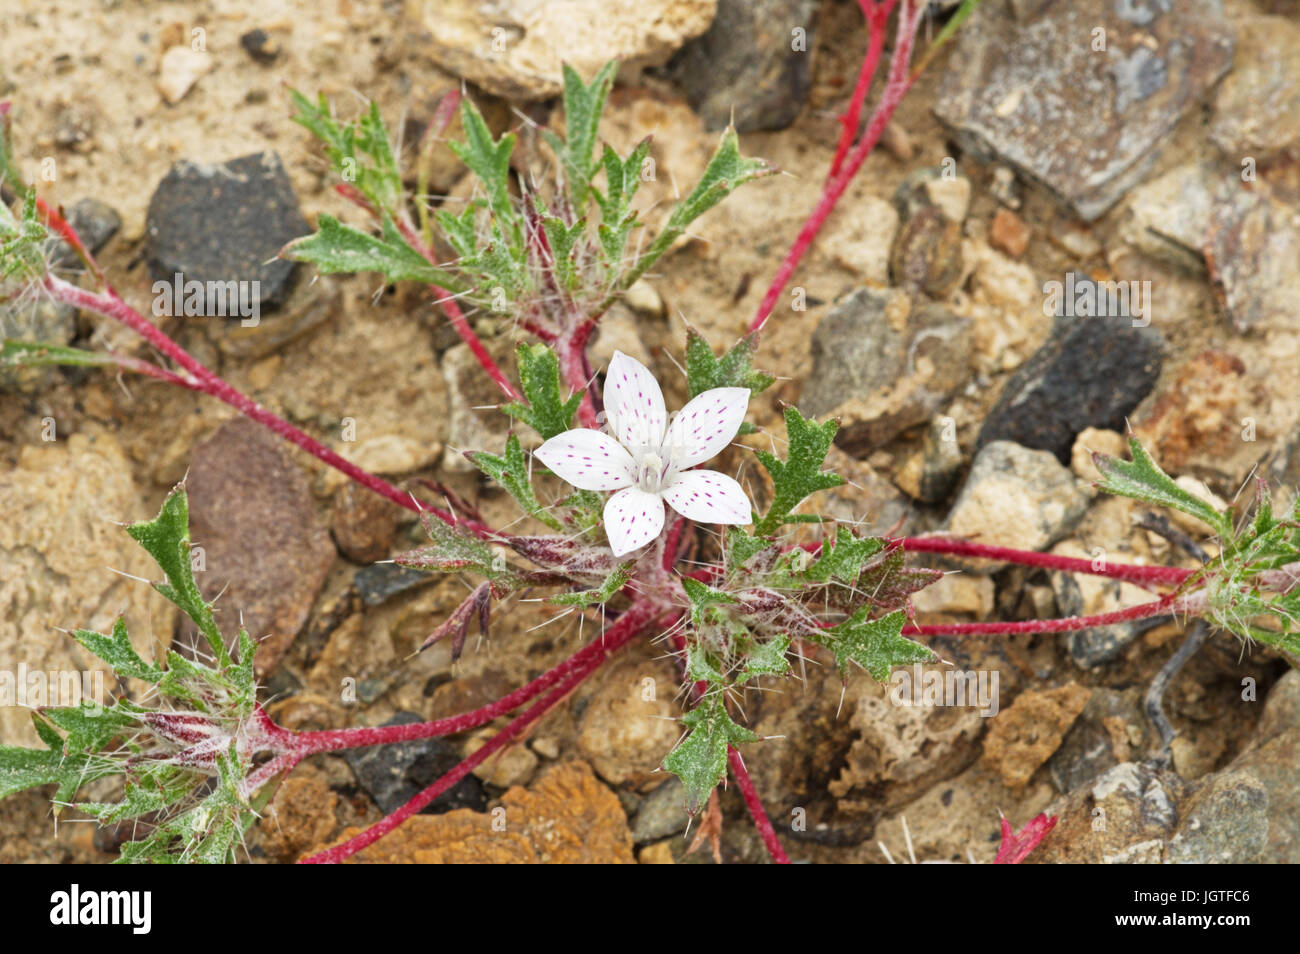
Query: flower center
{"type": "Point", "coordinates": [652, 473]}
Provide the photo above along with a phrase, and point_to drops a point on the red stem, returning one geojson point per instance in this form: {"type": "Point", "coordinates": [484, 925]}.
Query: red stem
{"type": "Point", "coordinates": [1170, 575]}
{"type": "Point", "coordinates": [755, 806]}
{"type": "Point", "coordinates": [624, 630]}
{"type": "Point", "coordinates": [1171, 603]}
{"type": "Point", "coordinates": [876, 16]}
{"type": "Point", "coordinates": [899, 83]}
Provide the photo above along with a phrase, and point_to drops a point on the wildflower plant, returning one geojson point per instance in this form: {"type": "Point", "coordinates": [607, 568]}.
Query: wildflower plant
{"type": "Point", "coordinates": [616, 527]}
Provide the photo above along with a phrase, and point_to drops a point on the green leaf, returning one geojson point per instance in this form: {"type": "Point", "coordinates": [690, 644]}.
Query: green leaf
{"type": "Point", "coordinates": [563, 240]}
{"type": "Point", "coordinates": [726, 172]}
{"type": "Point", "coordinates": [15, 353]}
{"type": "Point", "coordinates": [336, 247]}
{"type": "Point", "coordinates": [1141, 479]}
{"type": "Point", "coordinates": [22, 249]}
{"type": "Point", "coordinates": [117, 651]}
{"type": "Point", "coordinates": [90, 726]}
{"type": "Point", "coordinates": [800, 474]}
{"type": "Point", "coordinates": [511, 472]}
{"type": "Point", "coordinates": [615, 581]}
{"type": "Point", "coordinates": [740, 548]}
{"type": "Point", "coordinates": [843, 557]}
{"type": "Point", "coordinates": [735, 369]}
{"type": "Point", "coordinates": [766, 659]}
{"type": "Point", "coordinates": [622, 178]}
{"type": "Point", "coordinates": [877, 645]}
{"type": "Point", "coordinates": [167, 538]}
{"type": "Point", "coordinates": [583, 105]}
{"type": "Point", "coordinates": [702, 597]}
{"type": "Point", "coordinates": [453, 550]}
{"type": "Point", "coordinates": [22, 768]}
{"type": "Point", "coordinates": [539, 374]}
{"type": "Point", "coordinates": [701, 758]}
{"type": "Point", "coordinates": [359, 152]}
{"type": "Point", "coordinates": [489, 160]}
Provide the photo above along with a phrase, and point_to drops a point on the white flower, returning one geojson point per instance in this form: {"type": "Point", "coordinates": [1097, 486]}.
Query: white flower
{"type": "Point", "coordinates": [648, 462]}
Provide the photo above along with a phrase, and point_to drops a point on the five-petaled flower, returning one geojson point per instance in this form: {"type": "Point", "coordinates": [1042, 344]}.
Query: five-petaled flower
{"type": "Point", "coordinates": [647, 463]}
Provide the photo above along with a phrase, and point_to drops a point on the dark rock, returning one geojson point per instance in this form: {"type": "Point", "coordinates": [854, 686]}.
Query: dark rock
{"type": "Point", "coordinates": [382, 581]}
{"type": "Point", "coordinates": [1108, 730]}
{"type": "Point", "coordinates": [1086, 123]}
{"type": "Point", "coordinates": [394, 774]}
{"type": "Point", "coordinates": [883, 363]}
{"type": "Point", "coordinates": [260, 46]}
{"type": "Point", "coordinates": [1089, 648]}
{"type": "Point", "coordinates": [746, 64]}
{"type": "Point", "coordinates": [226, 222]}
{"type": "Point", "coordinates": [661, 813]}
{"type": "Point", "coordinates": [265, 551]}
{"type": "Point", "coordinates": [95, 223]}
{"type": "Point", "coordinates": [1091, 373]}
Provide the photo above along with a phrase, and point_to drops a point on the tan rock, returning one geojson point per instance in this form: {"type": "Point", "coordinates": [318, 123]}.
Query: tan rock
{"type": "Point", "coordinates": [630, 724]}
{"type": "Point", "coordinates": [179, 69]}
{"type": "Point", "coordinates": [1025, 735]}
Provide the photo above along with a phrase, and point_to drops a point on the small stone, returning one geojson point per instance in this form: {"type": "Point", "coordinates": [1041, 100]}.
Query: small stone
{"type": "Point", "coordinates": [1003, 187]}
{"type": "Point", "coordinates": [860, 236]}
{"type": "Point", "coordinates": [951, 194]}
{"type": "Point", "coordinates": [927, 253]}
{"type": "Point", "coordinates": [1016, 497]}
{"type": "Point", "coordinates": [363, 524]}
{"type": "Point", "coordinates": [1094, 440]}
{"type": "Point", "coordinates": [1022, 739]}
{"type": "Point", "coordinates": [629, 724]}
{"type": "Point", "coordinates": [95, 223]}
{"type": "Point", "coordinates": [380, 582]}
{"type": "Point", "coordinates": [300, 815]}
{"type": "Point", "coordinates": [959, 593]}
{"type": "Point", "coordinates": [1251, 251]}
{"type": "Point", "coordinates": [179, 69]}
{"type": "Point", "coordinates": [660, 853]}
{"type": "Point", "coordinates": [473, 422]}
{"type": "Point", "coordinates": [1076, 242]}
{"type": "Point", "coordinates": [226, 222]}
{"type": "Point", "coordinates": [897, 142]}
{"type": "Point", "coordinates": [1226, 822]}
{"type": "Point", "coordinates": [391, 454]}
{"type": "Point", "coordinates": [260, 46]}
{"type": "Point", "coordinates": [74, 128]}
{"type": "Point", "coordinates": [662, 813]}
{"type": "Point", "coordinates": [753, 66]}
{"type": "Point", "coordinates": [1257, 107]}
{"type": "Point", "coordinates": [1125, 817]}
{"type": "Point", "coordinates": [930, 474]}
{"type": "Point", "coordinates": [618, 331]}
{"type": "Point", "coordinates": [882, 363]}
{"type": "Point", "coordinates": [1107, 732]}
{"type": "Point", "coordinates": [265, 550]}
{"type": "Point", "coordinates": [1170, 217]}
{"type": "Point", "coordinates": [568, 817]}
{"type": "Point", "coordinates": [644, 299]}
{"type": "Point", "coordinates": [1008, 233]}
{"type": "Point", "coordinates": [394, 774]}
{"type": "Point", "coordinates": [513, 765]}
{"type": "Point", "coordinates": [1029, 93]}
{"type": "Point", "coordinates": [1092, 372]}
{"type": "Point", "coordinates": [1006, 309]}
{"type": "Point", "coordinates": [515, 48]}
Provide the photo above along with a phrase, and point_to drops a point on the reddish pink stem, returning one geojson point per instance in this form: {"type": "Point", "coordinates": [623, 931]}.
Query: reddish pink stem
{"type": "Point", "coordinates": [755, 806]}
{"type": "Point", "coordinates": [1169, 575]}
{"type": "Point", "coordinates": [876, 16]}
{"type": "Point", "coordinates": [899, 83]}
{"type": "Point", "coordinates": [628, 626]}
{"type": "Point", "coordinates": [1172, 603]}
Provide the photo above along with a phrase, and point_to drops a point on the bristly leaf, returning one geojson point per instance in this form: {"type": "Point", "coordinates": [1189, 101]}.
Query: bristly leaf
{"type": "Point", "coordinates": [726, 171]}
{"type": "Point", "coordinates": [117, 651]}
{"type": "Point", "coordinates": [622, 179]}
{"type": "Point", "coordinates": [22, 250]}
{"type": "Point", "coordinates": [453, 550]}
{"type": "Point", "coordinates": [701, 758]}
{"type": "Point", "coordinates": [22, 768]}
{"type": "Point", "coordinates": [511, 472]}
{"type": "Point", "coordinates": [843, 557]}
{"type": "Point", "coordinates": [15, 353]}
{"type": "Point", "coordinates": [359, 151]}
{"type": "Point", "coordinates": [539, 374]}
{"type": "Point", "coordinates": [489, 160]}
{"type": "Point", "coordinates": [1142, 479]}
{"type": "Point", "coordinates": [583, 105]}
{"type": "Point", "coordinates": [740, 548]}
{"type": "Point", "coordinates": [336, 247]}
{"type": "Point", "coordinates": [702, 597]}
{"type": "Point", "coordinates": [616, 580]}
{"type": "Point", "coordinates": [735, 369]}
{"type": "Point", "coordinates": [877, 645]}
{"type": "Point", "coordinates": [167, 538]}
{"type": "Point", "coordinates": [766, 659]}
{"type": "Point", "coordinates": [800, 474]}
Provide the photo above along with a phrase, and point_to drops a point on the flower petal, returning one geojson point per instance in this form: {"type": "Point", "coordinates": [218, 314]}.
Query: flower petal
{"type": "Point", "coordinates": [634, 405]}
{"type": "Point", "coordinates": [588, 459]}
{"type": "Point", "coordinates": [707, 496]}
{"type": "Point", "coordinates": [705, 426]}
{"type": "Point", "coordinates": [632, 519]}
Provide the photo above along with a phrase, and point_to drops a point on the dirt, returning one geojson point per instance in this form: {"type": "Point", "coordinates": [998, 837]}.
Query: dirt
{"type": "Point", "coordinates": [853, 765]}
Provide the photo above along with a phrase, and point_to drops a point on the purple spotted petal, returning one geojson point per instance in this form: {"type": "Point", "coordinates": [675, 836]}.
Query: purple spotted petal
{"type": "Point", "coordinates": [705, 426]}
{"type": "Point", "coordinates": [632, 519]}
{"type": "Point", "coordinates": [707, 496]}
{"type": "Point", "coordinates": [588, 459]}
{"type": "Point", "coordinates": [634, 405]}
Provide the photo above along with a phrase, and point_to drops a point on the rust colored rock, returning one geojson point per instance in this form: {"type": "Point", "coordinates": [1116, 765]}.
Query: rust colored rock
{"type": "Point", "coordinates": [1024, 737]}
{"type": "Point", "coordinates": [1194, 416]}
{"type": "Point", "coordinates": [1008, 233]}
{"type": "Point", "coordinates": [265, 549]}
{"type": "Point", "coordinates": [568, 817]}
{"type": "Point", "coordinates": [300, 815]}
{"type": "Point", "coordinates": [363, 524]}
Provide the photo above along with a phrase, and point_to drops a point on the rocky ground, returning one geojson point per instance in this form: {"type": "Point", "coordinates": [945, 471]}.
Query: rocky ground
{"type": "Point", "coordinates": [1027, 154]}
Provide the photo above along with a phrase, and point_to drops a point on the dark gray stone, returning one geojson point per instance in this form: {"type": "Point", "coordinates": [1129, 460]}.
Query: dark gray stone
{"type": "Point", "coordinates": [745, 65]}
{"type": "Point", "coordinates": [226, 222]}
{"type": "Point", "coordinates": [1090, 648]}
{"type": "Point", "coordinates": [1089, 748]}
{"type": "Point", "coordinates": [95, 223]}
{"type": "Point", "coordinates": [1032, 92]}
{"type": "Point", "coordinates": [382, 581]}
{"type": "Point", "coordinates": [661, 814]}
{"type": "Point", "coordinates": [1092, 372]}
{"type": "Point", "coordinates": [394, 774]}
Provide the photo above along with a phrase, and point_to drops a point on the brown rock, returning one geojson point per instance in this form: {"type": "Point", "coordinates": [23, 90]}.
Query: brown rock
{"type": "Point", "coordinates": [1008, 233]}
{"type": "Point", "coordinates": [1026, 735]}
{"type": "Point", "coordinates": [363, 524]}
{"type": "Point", "coordinates": [265, 550]}
{"type": "Point", "coordinates": [568, 817]}
{"type": "Point", "coordinates": [630, 723]}
{"type": "Point", "coordinates": [1194, 415]}
{"type": "Point", "coordinates": [300, 815]}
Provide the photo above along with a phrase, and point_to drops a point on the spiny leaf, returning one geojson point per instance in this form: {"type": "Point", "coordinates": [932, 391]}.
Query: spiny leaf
{"type": "Point", "coordinates": [701, 758]}
{"type": "Point", "coordinates": [167, 538]}
{"type": "Point", "coordinates": [15, 353]}
{"type": "Point", "coordinates": [22, 250]}
{"type": "Point", "coordinates": [359, 152]}
{"type": "Point", "coordinates": [511, 472]}
{"type": "Point", "coordinates": [453, 550]}
{"type": "Point", "coordinates": [800, 474]}
{"type": "Point", "coordinates": [489, 160]}
{"type": "Point", "coordinates": [877, 645]}
{"type": "Point", "coordinates": [90, 726]}
{"type": "Point", "coordinates": [336, 247]}
{"type": "Point", "coordinates": [1142, 479]}
{"type": "Point", "coordinates": [843, 557]}
{"type": "Point", "coordinates": [117, 651]}
{"type": "Point", "coordinates": [22, 768]}
{"type": "Point", "coordinates": [583, 105]}
{"type": "Point", "coordinates": [766, 659]}
{"type": "Point", "coordinates": [702, 597]}
{"type": "Point", "coordinates": [539, 374]}
{"type": "Point", "coordinates": [622, 178]}
{"type": "Point", "coordinates": [616, 580]}
{"type": "Point", "coordinates": [735, 369]}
